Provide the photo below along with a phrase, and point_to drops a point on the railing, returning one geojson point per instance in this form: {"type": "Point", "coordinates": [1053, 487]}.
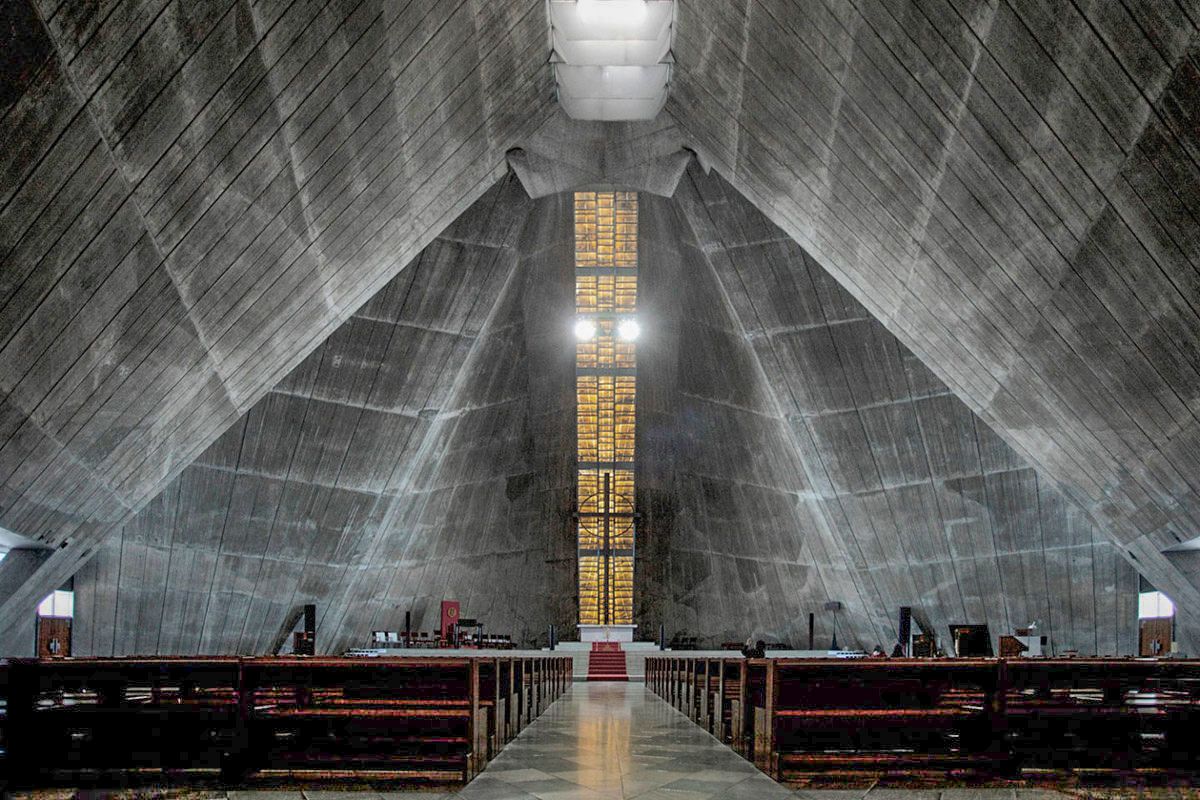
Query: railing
{"type": "Point", "coordinates": [800, 720]}
{"type": "Point", "coordinates": [413, 720]}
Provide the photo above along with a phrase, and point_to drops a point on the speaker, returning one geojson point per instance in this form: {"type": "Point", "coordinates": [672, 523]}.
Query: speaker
{"type": "Point", "coordinates": [905, 632]}
{"type": "Point", "coordinates": [833, 605]}
{"type": "Point", "coordinates": [310, 618]}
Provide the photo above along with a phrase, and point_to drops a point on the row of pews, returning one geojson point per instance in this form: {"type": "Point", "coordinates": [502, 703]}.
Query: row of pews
{"type": "Point", "coordinates": [821, 721]}
{"type": "Point", "coordinates": [410, 720]}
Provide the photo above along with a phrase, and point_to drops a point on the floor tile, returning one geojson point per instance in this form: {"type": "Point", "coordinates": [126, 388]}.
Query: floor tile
{"type": "Point", "coordinates": [756, 787]}
{"type": "Point", "coordinates": [614, 741]}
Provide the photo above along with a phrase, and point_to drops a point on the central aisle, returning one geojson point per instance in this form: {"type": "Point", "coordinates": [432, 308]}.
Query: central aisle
{"type": "Point", "coordinates": [617, 741]}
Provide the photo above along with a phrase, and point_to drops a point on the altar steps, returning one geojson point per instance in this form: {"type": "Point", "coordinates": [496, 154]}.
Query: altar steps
{"type": "Point", "coordinates": [606, 662]}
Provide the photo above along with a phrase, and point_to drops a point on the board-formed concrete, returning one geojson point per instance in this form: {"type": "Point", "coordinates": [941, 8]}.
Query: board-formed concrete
{"type": "Point", "coordinates": [423, 452]}
{"type": "Point", "coordinates": [791, 452]}
{"type": "Point", "coordinates": [486, 517]}
{"type": "Point", "coordinates": [195, 195]}
{"type": "Point", "coordinates": [566, 155]}
{"type": "Point", "coordinates": [1011, 188]}
{"type": "Point", "coordinates": [904, 496]}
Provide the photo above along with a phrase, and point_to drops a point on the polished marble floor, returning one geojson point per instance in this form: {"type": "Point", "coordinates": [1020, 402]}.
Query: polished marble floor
{"type": "Point", "coordinates": [610, 741]}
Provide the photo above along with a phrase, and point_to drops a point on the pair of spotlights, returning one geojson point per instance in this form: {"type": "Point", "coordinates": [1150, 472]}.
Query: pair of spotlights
{"type": "Point", "coordinates": [628, 329]}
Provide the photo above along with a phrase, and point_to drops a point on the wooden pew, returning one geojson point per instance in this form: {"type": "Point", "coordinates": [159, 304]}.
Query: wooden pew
{"type": "Point", "coordinates": [875, 717]}
{"type": "Point", "coordinates": [800, 720]}
{"type": "Point", "coordinates": [413, 720]}
{"type": "Point", "coordinates": [1107, 715]}
{"type": "Point", "coordinates": [101, 716]}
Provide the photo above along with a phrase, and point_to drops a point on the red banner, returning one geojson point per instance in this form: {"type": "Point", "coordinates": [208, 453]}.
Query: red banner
{"type": "Point", "coordinates": [449, 617]}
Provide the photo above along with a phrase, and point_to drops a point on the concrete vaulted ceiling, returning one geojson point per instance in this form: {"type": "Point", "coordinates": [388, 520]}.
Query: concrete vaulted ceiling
{"type": "Point", "coordinates": [409, 457]}
{"type": "Point", "coordinates": [791, 452]}
{"type": "Point", "coordinates": [195, 196]}
{"type": "Point", "coordinates": [817, 419]}
{"type": "Point", "coordinates": [1010, 187]}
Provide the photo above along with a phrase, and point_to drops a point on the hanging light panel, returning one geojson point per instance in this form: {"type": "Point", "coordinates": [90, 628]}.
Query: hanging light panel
{"type": "Point", "coordinates": [612, 57]}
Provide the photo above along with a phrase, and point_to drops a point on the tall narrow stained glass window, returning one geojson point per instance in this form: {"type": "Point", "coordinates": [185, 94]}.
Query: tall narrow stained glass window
{"type": "Point", "coordinates": [606, 237]}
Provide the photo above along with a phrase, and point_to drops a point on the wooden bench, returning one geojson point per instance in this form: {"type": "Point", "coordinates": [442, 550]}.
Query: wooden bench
{"type": "Point", "coordinates": [411, 720]}
{"type": "Point", "coordinates": [801, 720]}
{"type": "Point", "coordinates": [1103, 715]}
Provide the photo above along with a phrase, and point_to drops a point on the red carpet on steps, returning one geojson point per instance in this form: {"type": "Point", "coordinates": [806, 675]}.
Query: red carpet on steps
{"type": "Point", "coordinates": [606, 662]}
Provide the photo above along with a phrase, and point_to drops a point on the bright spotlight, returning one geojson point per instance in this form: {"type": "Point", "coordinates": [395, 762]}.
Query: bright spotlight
{"type": "Point", "coordinates": [612, 12]}
{"type": "Point", "coordinates": [585, 330]}
{"type": "Point", "coordinates": [628, 329]}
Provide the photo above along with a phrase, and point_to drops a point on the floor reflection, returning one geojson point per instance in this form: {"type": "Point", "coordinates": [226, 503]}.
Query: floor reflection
{"type": "Point", "coordinates": [617, 741]}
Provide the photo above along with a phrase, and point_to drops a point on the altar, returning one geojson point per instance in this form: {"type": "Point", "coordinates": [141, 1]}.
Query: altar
{"type": "Point", "coordinates": [606, 633]}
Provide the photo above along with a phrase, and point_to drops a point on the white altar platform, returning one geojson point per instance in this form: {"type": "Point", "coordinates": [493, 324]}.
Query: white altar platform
{"type": "Point", "coordinates": [606, 633]}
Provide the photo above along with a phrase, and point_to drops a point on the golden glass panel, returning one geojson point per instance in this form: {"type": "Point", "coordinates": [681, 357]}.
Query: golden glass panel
{"type": "Point", "coordinates": [620, 533]}
{"type": "Point", "coordinates": [606, 252]}
{"type": "Point", "coordinates": [625, 293]}
{"type": "Point", "coordinates": [605, 418]}
{"type": "Point", "coordinates": [586, 288]}
{"type": "Point", "coordinates": [606, 229]}
{"type": "Point", "coordinates": [599, 293]}
{"type": "Point", "coordinates": [591, 590]}
{"type": "Point", "coordinates": [605, 350]}
{"type": "Point", "coordinates": [590, 493]}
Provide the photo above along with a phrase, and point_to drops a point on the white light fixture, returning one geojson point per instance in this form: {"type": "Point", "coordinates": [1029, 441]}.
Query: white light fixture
{"type": "Point", "coordinates": [629, 329]}
{"type": "Point", "coordinates": [612, 58]}
{"type": "Point", "coordinates": [612, 12]}
{"type": "Point", "coordinates": [585, 330]}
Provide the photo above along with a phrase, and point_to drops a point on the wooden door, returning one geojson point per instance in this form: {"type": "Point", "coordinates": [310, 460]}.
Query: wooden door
{"type": "Point", "coordinates": [1154, 636]}
{"type": "Point", "coordinates": [54, 637]}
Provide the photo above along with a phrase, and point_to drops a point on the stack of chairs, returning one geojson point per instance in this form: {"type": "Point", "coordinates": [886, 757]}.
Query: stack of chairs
{"type": "Point", "coordinates": [684, 643]}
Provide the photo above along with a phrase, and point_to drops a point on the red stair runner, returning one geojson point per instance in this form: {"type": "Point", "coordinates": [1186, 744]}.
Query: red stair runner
{"type": "Point", "coordinates": [606, 662]}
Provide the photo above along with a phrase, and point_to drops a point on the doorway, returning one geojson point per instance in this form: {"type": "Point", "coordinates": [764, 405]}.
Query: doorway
{"type": "Point", "coordinates": [53, 637]}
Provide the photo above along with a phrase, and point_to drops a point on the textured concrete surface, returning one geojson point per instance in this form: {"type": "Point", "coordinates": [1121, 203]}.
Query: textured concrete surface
{"type": "Point", "coordinates": [486, 515]}
{"type": "Point", "coordinates": [420, 453]}
{"type": "Point", "coordinates": [791, 451]}
{"type": "Point", "coordinates": [194, 196]}
{"type": "Point", "coordinates": [726, 547]}
{"type": "Point", "coordinates": [1011, 188]}
{"type": "Point", "coordinates": [567, 155]}
{"type": "Point", "coordinates": [905, 497]}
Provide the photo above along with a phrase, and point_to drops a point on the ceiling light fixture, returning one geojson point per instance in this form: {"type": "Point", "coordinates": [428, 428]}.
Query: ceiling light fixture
{"type": "Point", "coordinates": [629, 12]}
{"type": "Point", "coordinates": [612, 58]}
